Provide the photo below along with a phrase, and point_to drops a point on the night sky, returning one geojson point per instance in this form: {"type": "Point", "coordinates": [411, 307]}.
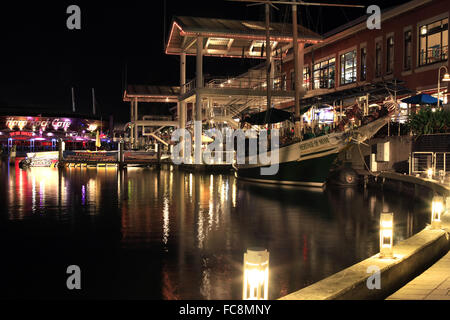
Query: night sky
{"type": "Point", "coordinates": [41, 59]}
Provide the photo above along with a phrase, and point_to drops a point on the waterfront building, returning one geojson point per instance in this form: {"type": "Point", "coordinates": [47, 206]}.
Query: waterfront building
{"type": "Point", "coordinates": [354, 63]}
{"type": "Point", "coordinates": [30, 131]}
{"type": "Point", "coordinates": [350, 67]}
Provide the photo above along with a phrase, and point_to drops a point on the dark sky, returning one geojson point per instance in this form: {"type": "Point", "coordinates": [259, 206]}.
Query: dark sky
{"type": "Point", "coordinates": [41, 59]}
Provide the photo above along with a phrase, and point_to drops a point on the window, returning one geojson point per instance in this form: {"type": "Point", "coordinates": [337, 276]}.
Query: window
{"type": "Point", "coordinates": [363, 64]}
{"type": "Point", "coordinates": [378, 59]}
{"type": "Point", "coordinates": [390, 54]}
{"type": "Point", "coordinates": [306, 77]}
{"type": "Point", "coordinates": [283, 81]}
{"type": "Point", "coordinates": [348, 67]}
{"type": "Point", "coordinates": [407, 50]}
{"type": "Point", "coordinates": [324, 74]}
{"type": "Point", "coordinates": [433, 42]}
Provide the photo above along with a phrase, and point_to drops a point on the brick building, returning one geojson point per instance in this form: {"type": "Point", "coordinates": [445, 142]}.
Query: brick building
{"type": "Point", "coordinates": [405, 55]}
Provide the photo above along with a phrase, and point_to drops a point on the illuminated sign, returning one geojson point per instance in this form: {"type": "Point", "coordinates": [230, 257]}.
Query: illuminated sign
{"type": "Point", "coordinates": [21, 133]}
{"type": "Point", "coordinates": [326, 115]}
{"type": "Point", "coordinates": [38, 123]}
{"type": "Point", "coordinates": [52, 125]}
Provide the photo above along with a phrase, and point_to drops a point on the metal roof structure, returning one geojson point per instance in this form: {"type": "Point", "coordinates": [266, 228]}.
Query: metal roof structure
{"type": "Point", "coordinates": [231, 38]}
{"type": "Point", "coordinates": [377, 93]}
{"type": "Point", "coordinates": [146, 93]}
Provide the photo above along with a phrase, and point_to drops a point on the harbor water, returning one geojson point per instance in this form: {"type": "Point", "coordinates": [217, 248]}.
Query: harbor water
{"type": "Point", "coordinates": [144, 233]}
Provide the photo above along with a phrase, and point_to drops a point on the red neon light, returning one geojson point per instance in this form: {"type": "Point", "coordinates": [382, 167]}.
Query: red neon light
{"type": "Point", "coordinates": [21, 133]}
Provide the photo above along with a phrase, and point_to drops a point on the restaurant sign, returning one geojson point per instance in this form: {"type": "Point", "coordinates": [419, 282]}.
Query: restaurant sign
{"type": "Point", "coordinates": [48, 123]}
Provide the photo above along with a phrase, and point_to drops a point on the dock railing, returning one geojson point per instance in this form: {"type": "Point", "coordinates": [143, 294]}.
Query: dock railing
{"type": "Point", "coordinates": [421, 162]}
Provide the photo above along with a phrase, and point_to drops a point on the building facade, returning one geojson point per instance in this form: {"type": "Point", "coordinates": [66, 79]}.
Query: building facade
{"type": "Point", "coordinates": [409, 50]}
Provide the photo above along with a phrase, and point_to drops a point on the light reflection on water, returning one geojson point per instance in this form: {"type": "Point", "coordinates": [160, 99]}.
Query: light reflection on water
{"type": "Point", "coordinates": [144, 233]}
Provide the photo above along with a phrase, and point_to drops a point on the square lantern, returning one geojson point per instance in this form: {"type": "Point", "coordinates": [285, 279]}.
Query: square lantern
{"type": "Point", "coordinates": [256, 274]}
{"type": "Point", "coordinates": [441, 176]}
{"type": "Point", "coordinates": [386, 235]}
{"type": "Point", "coordinates": [437, 208]}
{"type": "Point", "coordinates": [430, 173]}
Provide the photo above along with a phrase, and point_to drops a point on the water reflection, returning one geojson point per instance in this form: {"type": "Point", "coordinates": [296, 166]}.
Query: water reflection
{"type": "Point", "coordinates": [166, 234]}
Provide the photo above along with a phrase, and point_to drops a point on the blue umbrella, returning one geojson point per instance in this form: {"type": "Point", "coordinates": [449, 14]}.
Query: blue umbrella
{"type": "Point", "coordinates": [421, 98]}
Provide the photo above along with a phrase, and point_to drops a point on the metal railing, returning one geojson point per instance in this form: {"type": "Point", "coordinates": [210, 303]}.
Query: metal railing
{"type": "Point", "coordinates": [253, 83]}
{"type": "Point", "coordinates": [433, 54]}
{"type": "Point", "coordinates": [423, 161]}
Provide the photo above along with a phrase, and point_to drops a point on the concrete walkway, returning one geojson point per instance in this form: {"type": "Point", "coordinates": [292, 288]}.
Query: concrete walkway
{"type": "Point", "coordinates": [433, 284]}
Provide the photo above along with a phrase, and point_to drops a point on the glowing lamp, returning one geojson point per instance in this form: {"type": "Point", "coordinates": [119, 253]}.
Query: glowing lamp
{"type": "Point", "coordinates": [446, 77]}
{"type": "Point", "coordinates": [256, 274]}
{"type": "Point", "coordinates": [437, 208]}
{"type": "Point", "coordinates": [442, 175]}
{"type": "Point", "coordinates": [386, 235]}
{"type": "Point", "coordinates": [430, 173]}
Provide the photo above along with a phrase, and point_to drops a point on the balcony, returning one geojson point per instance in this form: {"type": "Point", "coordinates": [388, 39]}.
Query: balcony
{"type": "Point", "coordinates": [432, 55]}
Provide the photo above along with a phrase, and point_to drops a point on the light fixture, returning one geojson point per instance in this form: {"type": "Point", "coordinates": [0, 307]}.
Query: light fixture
{"type": "Point", "coordinates": [441, 176]}
{"type": "Point", "coordinates": [386, 235]}
{"type": "Point", "coordinates": [256, 274]}
{"type": "Point", "coordinates": [430, 173]}
{"type": "Point", "coordinates": [446, 77]}
{"type": "Point", "coordinates": [437, 207]}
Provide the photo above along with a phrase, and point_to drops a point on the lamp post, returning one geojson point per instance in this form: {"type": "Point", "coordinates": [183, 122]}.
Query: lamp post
{"type": "Point", "coordinates": [386, 235]}
{"type": "Point", "coordinates": [446, 78]}
{"type": "Point", "coordinates": [256, 274]}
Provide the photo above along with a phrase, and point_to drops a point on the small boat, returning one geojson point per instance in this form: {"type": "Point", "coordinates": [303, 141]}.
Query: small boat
{"type": "Point", "coordinates": [40, 159]}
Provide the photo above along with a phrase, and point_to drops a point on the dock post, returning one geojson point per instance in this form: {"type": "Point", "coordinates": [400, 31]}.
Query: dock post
{"type": "Point", "coordinates": [158, 152]}
{"type": "Point", "coordinates": [12, 155]}
{"type": "Point", "coordinates": [61, 147]}
{"type": "Point", "coordinates": [120, 154]}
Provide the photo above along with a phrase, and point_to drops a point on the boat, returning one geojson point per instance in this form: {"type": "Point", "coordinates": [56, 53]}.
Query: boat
{"type": "Point", "coordinates": [308, 163]}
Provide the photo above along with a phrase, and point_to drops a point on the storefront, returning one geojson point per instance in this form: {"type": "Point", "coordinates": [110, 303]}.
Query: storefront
{"type": "Point", "coordinates": [41, 133]}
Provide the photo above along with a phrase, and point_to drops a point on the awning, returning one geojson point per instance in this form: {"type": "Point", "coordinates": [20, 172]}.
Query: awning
{"type": "Point", "coordinates": [421, 98]}
{"type": "Point", "coordinates": [231, 38]}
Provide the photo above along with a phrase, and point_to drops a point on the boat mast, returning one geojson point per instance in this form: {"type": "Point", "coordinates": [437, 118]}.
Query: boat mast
{"type": "Point", "coordinates": [268, 61]}
{"type": "Point", "coordinates": [297, 115]}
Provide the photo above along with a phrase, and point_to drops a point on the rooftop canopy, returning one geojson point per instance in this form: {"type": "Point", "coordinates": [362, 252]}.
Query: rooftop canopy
{"type": "Point", "coordinates": [145, 93]}
{"type": "Point", "coordinates": [231, 38]}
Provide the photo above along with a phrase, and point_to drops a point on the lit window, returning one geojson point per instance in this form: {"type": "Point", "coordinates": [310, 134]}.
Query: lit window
{"type": "Point", "coordinates": [324, 74]}
{"type": "Point", "coordinates": [433, 42]}
{"type": "Point", "coordinates": [348, 67]}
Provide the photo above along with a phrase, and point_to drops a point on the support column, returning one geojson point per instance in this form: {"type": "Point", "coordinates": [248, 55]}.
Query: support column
{"type": "Point", "coordinates": [182, 114]}
{"type": "Point", "coordinates": [272, 72]}
{"type": "Point", "coordinates": [199, 78]}
{"type": "Point", "coordinates": [298, 70]}
{"type": "Point", "coordinates": [136, 135]}
{"type": "Point", "coordinates": [132, 123]}
{"type": "Point", "coordinates": [198, 103]}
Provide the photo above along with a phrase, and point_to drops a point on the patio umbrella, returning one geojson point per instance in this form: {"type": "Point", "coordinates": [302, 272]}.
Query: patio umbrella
{"type": "Point", "coordinates": [421, 98]}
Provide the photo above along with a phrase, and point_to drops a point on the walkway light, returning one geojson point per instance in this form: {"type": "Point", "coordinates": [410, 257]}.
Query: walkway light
{"type": "Point", "coordinates": [386, 235]}
{"type": "Point", "coordinates": [437, 207]}
{"type": "Point", "coordinates": [430, 173]}
{"type": "Point", "coordinates": [442, 176]}
{"type": "Point", "coordinates": [256, 274]}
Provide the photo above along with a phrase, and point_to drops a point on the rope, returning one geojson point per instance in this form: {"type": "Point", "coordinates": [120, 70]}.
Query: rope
{"type": "Point", "coordinates": [365, 164]}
